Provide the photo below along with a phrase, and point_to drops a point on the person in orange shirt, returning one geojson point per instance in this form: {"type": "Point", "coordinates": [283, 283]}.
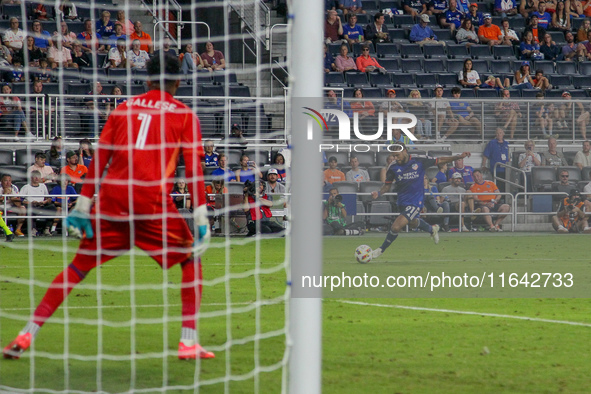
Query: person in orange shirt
{"type": "Point", "coordinates": [486, 203]}
{"type": "Point", "coordinates": [332, 174]}
{"type": "Point", "coordinates": [488, 33]}
{"type": "Point", "coordinates": [367, 63]}
{"type": "Point", "coordinates": [73, 169]}
{"type": "Point", "coordinates": [145, 39]}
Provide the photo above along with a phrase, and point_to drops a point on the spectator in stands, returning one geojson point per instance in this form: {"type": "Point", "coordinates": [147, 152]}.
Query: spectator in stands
{"type": "Point", "coordinates": [138, 59]}
{"type": "Point", "coordinates": [389, 160]}
{"type": "Point", "coordinates": [356, 174]}
{"type": "Point", "coordinates": [566, 111]}
{"type": "Point", "coordinates": [526, 7]}
{"type": "Point", "coordinates": [415, 7]}
{"type": "Point", "coordinates": [391, 105]}
{"type": "Point", "coordinates": [529, 159]}
{"type": "Point", "coordinates": [576, 9]}
{"type": "Point", "coordinates": [18, 74]}
{"type": "Point", "coordinates": [61, 203]}
{"type": "Point", "coordinates": [505, 8]}
{"type": "Point", "coordinates": [468, 77]}
{"type": "Point", "coordinates": [463, 112]}
{"type": "Point", "coordinates": [361, 107]}
{"type": "Point", "coordinates": [351, 7]}
{"type": "Point", "coordinates": [466, 34]}
{"type": "Point", "coordinates": [563, 186]}
{"type": "Point", "coordinates": [334, 102]}
{"type": "Point", "coordinates": [560, 18]}
{"type": "Point", "coordinates": [476, 17]}
{"type": "Point", "coordinates": [553, 157]}
{"type": "Point", "coordinates": [550, 50]}
{"type": "Point", "coordinates": [191, 61]}
{"type": "Point", "coordinates": [456, 195]}
{"type": "Point", "coordinates": [236, 137]}
{"type": "Point", "coordinates": [496, 151]}
{"type": "Point", "coordinates": [422, 34]}
{"type": "Point", "coordinates": [55, 155]}
{"type": "Point", "coordinates": [452, 18]}
{"type": "Point", "coordinates": [85, 152]}
{"type": "Point", "coordinates": [420, 110]}
{"type": "Point", "coordinates": [68, 37]}
{"type": "Point", "coordinates": [213, 60]}
{"type": "Point", "coordinates": [34, 53]}
{"type": "Point", "coordinates": [167, 49]}
{"type": "Point", "coordinates": [332, 174]}
{"type": "Point", "coordinates": [572, 51]}
{"type": "Point", "coordinates": [433, 203]}
{"type": "Point", "coordinates": [465, 171]}
{"type": "Point", "coordinates": [12, 113]}
{"type": "Point", "coordinates": [210, 159]}
{"type": "Point", "coordinates": [59, 56]}
{"type": "Point", "coordinates": [399, 138]}
{"type": "Point", "coordinates": [40, 11]}
{"type": "Point", "coordinates": [105, 26]}
{"type": "Point", "coordinates": [76, 171]}
{"type": "Point", "coordinates": [377, 31]}
{"type": "Point", "coordinates": [222, 171]}
{"type": "Point", "coordinates": [442, 111]}
{"type": "Point", "coordinates": [522, 78]}
{"type": "Point", "coordinates": [352, 32]}
{"type": "Point", "coordinates": [90, 40]}
{"type": "Point", "coordinates": [329, 64]}
{"type": "Point", "coordinates": [585, 28]}
{"type": "Point", "coordinates": [583, 157]}
{"type": "Point", "coordinates": [66, 9]}
{"type": "Point", "coordinates": [441, 175]}
{"type": "Point", "coordinates": [571, 216]}
{"type": "Point", "coordinates": [488, 33]}
{"type": "Point", "coordinates": [544, 18]}
{"type": "Point", "coordinates": [217, 187]}
{"type": "Point", "coordinates": [80, 57]}
{"type": "Point", "coordinates": [182, 198]}
{"type": "Point", "coordinates": [5, 56]}
{"type": "Point", "coordinates": [530, 50]}
{"type": "Point", "coordinates": [543, 115]}
{"type": "Point", "coordinates": [9, 199]}
{"type": "Point", "coordinates": [437, 7]}
{"type": "Point", "coordinates": [14, 37]}
{"type": "Point", "coordinates": [258, 211]}
{"type": "Point", "coordinates": [333, 28]}
{"type": "Point", "coordinates": [280, 164]}
{"type": "Point", "coordinates": [117, 34]}
{"type": "Point", "coordinates": [508, 35]}
{"type": "Point", "coordinates": [41, 37]}
{"type": "Point", "coordinates": [118, 55]}
{"type": "Point", "coordinates": [125, 22]}
{"type": "Point", "coordinates": [34, 198]}
{"type": "Point", "coordinates": [508, 111]}
{"type": "Point", "coordinates": [248, 170]}
{"type": "Point", "coordinates": [344, 62]}
{"type": "Point", "coordinates": [366, 63]}
{"type": "Point", "coordinates": [587, 45]}
{"type": "Point", "coordinates": [115, 101]}
{"type": "Point", "coordinates": [539, 81]}
{"type": "Point", "coordinates": [488, 202]}
{"type": "Point", "coordinates": [335, 216]}
{"type": "Point", "coordinates": [145, 39]}
{"type": "Point", "coordinates": [46, 174]}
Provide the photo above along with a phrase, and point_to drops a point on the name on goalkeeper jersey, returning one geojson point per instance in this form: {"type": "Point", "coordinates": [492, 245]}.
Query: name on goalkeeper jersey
{"type": "Point", "coordinates": [163, 105]}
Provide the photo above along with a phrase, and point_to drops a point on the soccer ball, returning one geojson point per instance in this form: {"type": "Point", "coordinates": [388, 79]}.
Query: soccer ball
{"type": "Point", "coordinates": [363, 254]}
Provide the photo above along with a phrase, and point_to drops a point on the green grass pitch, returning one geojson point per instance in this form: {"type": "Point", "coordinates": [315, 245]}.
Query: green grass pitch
{"type": "Point", "coordinates": [377, 345]}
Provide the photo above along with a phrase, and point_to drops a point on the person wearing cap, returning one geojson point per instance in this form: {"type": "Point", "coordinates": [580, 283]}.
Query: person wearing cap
{"type": "Point", "coordinates": [455, 194]}
{"type": "Point", "coordinates": [509, 36]}
{"type": "Point", "coordinates": [488, 33]}
{"type": "Point", "coordinates": [236, 136]}
{"type": "Point", "coordinates": [367, 63]}
{"type": "Point", "coordinates": [272, 186]}
{"type": "Point", "coordinates": [572, 51]}
{"type": "Point", "coordinates": [505, 8]}
{"type": "Point", "coordinates": [415, 7]}
{"type": "Point", "coordinates": [538, 32]}
{"type": "Point", "coordinates": [544, 18]}
{"type": "Point", "coordinates": [422, 34]}
{"type": "Point", "coordinates": [571, 216]}
{"type": "Point", "coordinates": [488, 202]}
{"type": "Point", "coordinates": [526, 7]}
{"type": "Point", "coordinates": [452, 18]}
{"type": "Point", "coordinates": [391, 105]}
{"type": "Point", "coordinates": [377, 31]}
{"type": "Point", "coordinates": [474, 15]}
{"type": "Point", "coordinates": [332, 174]}
{"type": "Point", "coordinates": [565, 111]}
{"type": "Point", "coordinates": [76, 171]}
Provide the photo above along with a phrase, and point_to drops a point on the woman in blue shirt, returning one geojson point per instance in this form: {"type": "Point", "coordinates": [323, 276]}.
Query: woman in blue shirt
{"type": "Point", "coordinates": [248, 170]}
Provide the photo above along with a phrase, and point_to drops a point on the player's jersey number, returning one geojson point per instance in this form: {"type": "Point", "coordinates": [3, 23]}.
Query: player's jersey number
{"type": "Point", "coordinates": [146, 119]}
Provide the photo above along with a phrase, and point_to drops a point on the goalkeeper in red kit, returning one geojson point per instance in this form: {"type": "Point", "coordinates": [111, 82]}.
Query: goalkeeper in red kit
{"type": "Point", "coordinates": [140, 143]}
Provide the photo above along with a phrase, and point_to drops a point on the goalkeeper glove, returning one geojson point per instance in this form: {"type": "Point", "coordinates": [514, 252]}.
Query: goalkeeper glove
{"type": "Point", "coordinates": [202, 232]}
{"type": "Point", "coordinates": [78, 221]}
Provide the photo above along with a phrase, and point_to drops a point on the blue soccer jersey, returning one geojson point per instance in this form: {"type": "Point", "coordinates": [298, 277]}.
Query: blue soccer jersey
{"type": "Point", "coordinates": [409, 179]}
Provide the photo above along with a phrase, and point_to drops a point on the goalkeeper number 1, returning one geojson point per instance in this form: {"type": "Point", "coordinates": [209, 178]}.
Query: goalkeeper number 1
{"type": "Point", "coordinates": [140, 142]}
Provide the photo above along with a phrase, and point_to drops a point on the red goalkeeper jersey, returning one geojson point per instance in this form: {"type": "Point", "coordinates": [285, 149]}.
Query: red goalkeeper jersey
{"type": "Point", "coordinates": [140, 143]}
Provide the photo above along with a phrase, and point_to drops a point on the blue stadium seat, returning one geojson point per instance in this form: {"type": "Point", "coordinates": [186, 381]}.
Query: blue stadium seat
{"type": "Point", "coordinates": [480, 65]}
{"type": "Point", "coordinates": [370, 6]}
{"type": "Point", "coordinates": [561, 81]}
{"type": "Point", "coordinates": [403, 21]}
{"type": "Point", "coordinates": [363, 19]}
{"type": "Point", "coordinates": [334, 79]}
{"type": "Point", "coordinates": [547, 66]}
{"type": "Point", "coordinates": [426, 80]}
{"type": "Point", "coordinates": [468, 93]}
{"type": "Point", "coordinates": [576, 23]}
{"type": "Point", "coordinates": [403, 80]}
{"type": "Point", "coordinates": [380, 80]}
{"type": "Point", "coordinates": [503, 52]}
{"type": "Point", "coordinates": [411, 50]}
{"type": "Point", "coordinates": [515, 22]}
{"type": "Point", "coordinates": [488, 93]}
{"type": "Point", "coordinates": [448, 79]}
{"type": "Point", "coordinates": [211, 90]}
{"type": "Point", "coordinates": [434, 65]}
{"type": "Point", "coordinates": [372, 92]}
{"type": "Point", "coordinates": [455, 65]}
{"type": "Point", "coordinates": [239, 91]}
{"type": "Point", "coordinates": [480, 52]}
{"type": "Point", "coordinates": [411, 65]}
{"type": "Point", "coordinates": [582, 81]}
{"type": "Point", "coordinates": [387, 50]}
{"type": "Point", "coordinates": [558, 37]}
{"type": "Point", "coordinates": [6, 157]}
{"type": "Point", "coordinates": [443, 34]}
{"type": "Point", "coordinates": [79, 88]}
{"type": "Point", "coordinates": [500, 67]}
{"type": "Point", "coordinates": [529, 93]}
{"type": "Point", "coordinates": [435, 51]}
{"type": "Point", "coordinates": [578, 93]}
{"type": "Point", "coordinates": [391, 65]}
{"type": "Point", "coordinates": [187, 90]}
{"type": "Point", "coordinates": [585, 68]}
{"type": "Point", "coordinates": [398, 35]}
{"type": "Point", "coordinates": [457, 51]}
{"type": "Point", "coordinates": [335, 49]}
{"type": "Point", "coordinates": [566, 68]}
{"type": "Point", "coordinates": [358, 80]}
{"type": "Point", "coordinates": [366, 159]}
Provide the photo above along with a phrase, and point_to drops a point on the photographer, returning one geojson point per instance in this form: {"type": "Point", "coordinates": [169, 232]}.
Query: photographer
{"type": "Point", "coordinates": [334, 215]}
{"type": "Point", "coordinates": [529, 159]}
{"type": "Point", "coordinates": [258, 209]}
{"type": "Point", "coordinates": [570, 217]}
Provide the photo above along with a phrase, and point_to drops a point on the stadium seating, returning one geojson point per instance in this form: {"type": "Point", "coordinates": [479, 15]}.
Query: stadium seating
{"type": "Point", "coordinates": [542, 177]}
{"type": "Point", "coordinates": [346, 187]}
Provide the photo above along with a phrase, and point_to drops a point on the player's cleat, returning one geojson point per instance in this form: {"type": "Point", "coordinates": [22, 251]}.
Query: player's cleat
{"type": "Point", "coordinates": [191, 352]}
{"type": "Point", "coordinates": [562, 229]}
{"type": "Point", "coordinates": [18, 346]}
{"type": "Point", "coordinates": [19, 233]}
{"type": "Point", "coordinates": [9, 237]}
{"type": "Point", "coordinates": [376, 253]}
{"type": "Point", "coordinates": [435, 233]}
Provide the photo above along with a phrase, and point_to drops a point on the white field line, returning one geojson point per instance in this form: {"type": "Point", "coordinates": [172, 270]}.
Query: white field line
{"type": "Point", "coordinates": [419, 308]}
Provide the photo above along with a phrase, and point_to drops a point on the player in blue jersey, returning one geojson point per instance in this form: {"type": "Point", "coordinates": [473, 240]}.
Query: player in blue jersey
{"type": "Point", "coordinates": [407, 172]}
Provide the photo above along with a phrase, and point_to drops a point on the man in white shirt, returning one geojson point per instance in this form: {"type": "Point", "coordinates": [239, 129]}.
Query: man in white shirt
{"type": "Point", "coordinates": [14, 37]}
{"type": "Point", "coordinates": [583, 157]}
{"type": "Point", "coordinates": [37, 200]}
{"type": "Point", "coordinates": [356, 174]}
{"type": "Point", "coordinates": [136, 57]}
